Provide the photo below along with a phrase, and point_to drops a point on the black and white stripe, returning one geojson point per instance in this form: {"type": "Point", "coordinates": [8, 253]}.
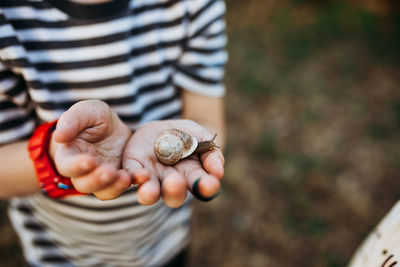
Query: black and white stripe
{"type": "Point", "coordinates": [135, 60]}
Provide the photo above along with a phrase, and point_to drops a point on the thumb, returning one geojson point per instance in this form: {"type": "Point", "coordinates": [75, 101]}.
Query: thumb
{"type": "Point", "coordinates": [66, 130]}
{"type": "Point", "coordinates": [77, 118]}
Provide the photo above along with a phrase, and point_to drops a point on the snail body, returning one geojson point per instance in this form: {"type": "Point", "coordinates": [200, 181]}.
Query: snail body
{"type": "Point", "coordinates": [172, 145]}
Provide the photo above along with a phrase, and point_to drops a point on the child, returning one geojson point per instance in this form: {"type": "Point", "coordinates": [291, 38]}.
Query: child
{"type": "Point", "coordinates": [148, 62]}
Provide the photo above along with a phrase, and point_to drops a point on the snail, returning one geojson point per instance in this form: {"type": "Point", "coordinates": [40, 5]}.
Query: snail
{"type": "Point", "coordinates": [172, 145]}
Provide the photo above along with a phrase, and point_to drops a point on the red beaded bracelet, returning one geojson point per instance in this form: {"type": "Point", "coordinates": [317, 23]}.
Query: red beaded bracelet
{"type": "Point", "coordinates": [50, 181]}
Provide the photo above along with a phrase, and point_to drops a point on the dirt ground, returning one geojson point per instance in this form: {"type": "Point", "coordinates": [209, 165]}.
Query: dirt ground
{"type": "Point", "coordinates": [312, 156]}
{"type": "Point", "coordinates": [313, 141]}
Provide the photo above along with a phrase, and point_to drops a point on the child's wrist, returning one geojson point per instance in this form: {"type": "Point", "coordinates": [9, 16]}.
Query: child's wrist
{"type": "Point", "coordinates": [50, 181]}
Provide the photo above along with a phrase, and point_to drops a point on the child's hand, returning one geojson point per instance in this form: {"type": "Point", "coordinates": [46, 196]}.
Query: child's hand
{"type": "Point", "coordinates": [87, 146]}
{"type": "Point", "coordinates": [201, 175]}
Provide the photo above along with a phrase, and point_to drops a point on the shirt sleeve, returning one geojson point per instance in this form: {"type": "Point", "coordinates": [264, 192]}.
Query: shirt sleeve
{"type": "Point", "coordinates": [16, 116]}
{"type": "Point", "coordinates": [200, 68]}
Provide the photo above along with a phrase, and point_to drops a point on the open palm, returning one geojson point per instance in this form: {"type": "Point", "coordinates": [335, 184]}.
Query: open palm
{"type": "Point", "coordinates": [200, 175]}
{"type": "Point", "coordinates": [87, 146]}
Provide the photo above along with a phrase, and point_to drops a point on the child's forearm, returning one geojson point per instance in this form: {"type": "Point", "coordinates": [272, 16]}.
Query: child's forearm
{"type": "Point", "coordinates": [17, 176]}
{"type": "Point", "coordinates": [208, 112]}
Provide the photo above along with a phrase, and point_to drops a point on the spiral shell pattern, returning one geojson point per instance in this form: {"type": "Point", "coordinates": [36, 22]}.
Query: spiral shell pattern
{"type": "Point", "coordinates": [172, 145]}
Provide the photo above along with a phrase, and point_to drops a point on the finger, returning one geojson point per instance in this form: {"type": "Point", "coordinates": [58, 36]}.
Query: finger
{"type": "Point", "coordinates": [67, 129]}
{"type": "Point", "coordinates": [138, 174]}
{"type": "Point", "coordinates": [174, 189]}
{"type": "Point", "coordinates": [77, 118]}
{"type": "Point", "coordinates": [114, 190]}
{"type": "Point", "coordinates": [71, 164]}
{"type": "Point", "coordinates": [149, 192]}
{"type": "Point", "coordinates": [213, 162]}
{"type": "Point", "coordinates": [206, 188]}
{"type": "Point", "coordinates": [96, 180]}
{"type": "Point", "coordinates": [202, 185]}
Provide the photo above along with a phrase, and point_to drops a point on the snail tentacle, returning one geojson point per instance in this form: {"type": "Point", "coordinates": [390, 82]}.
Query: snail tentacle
{"type": "Point", "coordinates": [206, 146]}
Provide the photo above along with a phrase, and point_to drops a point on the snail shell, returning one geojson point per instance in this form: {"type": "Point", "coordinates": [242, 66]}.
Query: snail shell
{"type": "Point", "coordinates": [172, 145]}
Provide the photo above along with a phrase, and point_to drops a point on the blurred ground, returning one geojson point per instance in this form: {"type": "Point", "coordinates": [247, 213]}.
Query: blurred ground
{"type": "Point", "coordinates": [313, 146]}
{"type": "Point", "coordinates": [314, 128]}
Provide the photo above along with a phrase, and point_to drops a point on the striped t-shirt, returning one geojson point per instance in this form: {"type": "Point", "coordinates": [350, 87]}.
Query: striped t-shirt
{"type": "Point", "coordinates": [136, 56]}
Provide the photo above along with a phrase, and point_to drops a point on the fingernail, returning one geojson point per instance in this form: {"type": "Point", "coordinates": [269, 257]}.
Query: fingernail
{"type": "Point", "coordinates": [197, 194]}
